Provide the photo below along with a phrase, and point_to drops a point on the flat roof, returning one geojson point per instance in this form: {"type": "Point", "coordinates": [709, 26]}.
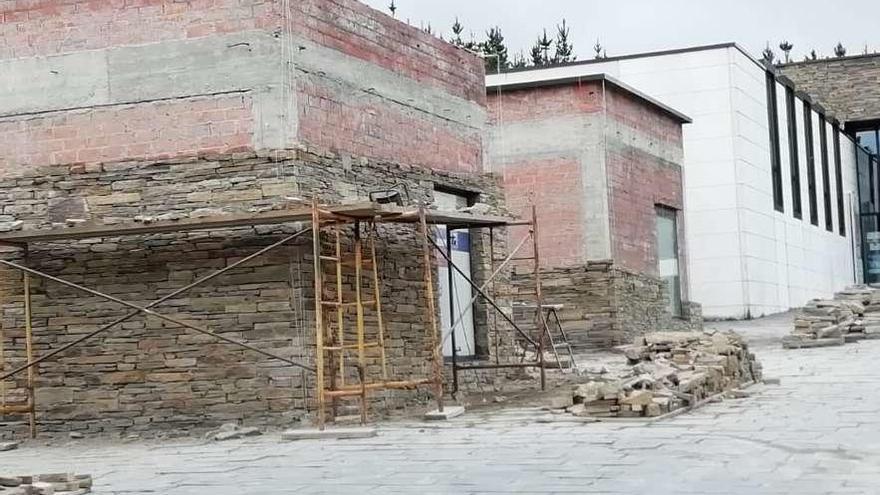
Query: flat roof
{"type": "Point", "coordinates": [360, 211]}
{"type": "Point", "coordinates": [550, 81]}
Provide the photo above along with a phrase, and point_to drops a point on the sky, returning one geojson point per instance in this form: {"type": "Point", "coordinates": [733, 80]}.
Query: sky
{"type": "Point", "coordinates": [632, 26]}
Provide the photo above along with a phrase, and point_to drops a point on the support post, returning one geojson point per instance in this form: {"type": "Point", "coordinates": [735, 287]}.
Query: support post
{"type": "Point", "coordinates": [359, 308]}
{"type": "Point", "coordinates": [437, 360]}
{"type": "Point", "coordinates": [319, 320]}
{"type": "Point", "coordinates": [29, 350]}
{"type": "Point", "coordinates": [451, 281]}
{"type": "Point", "coordinates": [378, 298]}
{"type": "Point", "coordinates": [539, 297]}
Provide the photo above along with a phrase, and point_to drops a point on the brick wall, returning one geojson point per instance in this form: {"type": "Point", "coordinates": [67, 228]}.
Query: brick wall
{"type": "Point", "coordinates": [846, 87]}
{"type": "Point", "coordinates": [394, 93]}
{"type": "Point", "coordinates": [148, 375]}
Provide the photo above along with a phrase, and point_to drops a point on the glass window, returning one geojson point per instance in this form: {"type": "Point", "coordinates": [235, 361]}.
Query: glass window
{"type": "Point", "coordinates": [811, 163]}
{"type": "Point", "coordinates": [775, 165]}
{"type": "Point", "coordinates": [826, 175]}
{"type": "Point", "coordinates": [794, 163]}
{"type": "Point", "coordinates": [868, 140]}
{"type": "Point", "coordinates": [838, 183]}
{"type": "Point", "coordinates": [667, 256]}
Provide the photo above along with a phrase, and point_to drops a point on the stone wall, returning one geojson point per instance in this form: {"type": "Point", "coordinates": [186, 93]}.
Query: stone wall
{"type": "Point", "coordinates": [148, 375]}
{"type": "Point", "coordinates": [846, 86]}
{"type": "Point", "coordinates": [605, 305]}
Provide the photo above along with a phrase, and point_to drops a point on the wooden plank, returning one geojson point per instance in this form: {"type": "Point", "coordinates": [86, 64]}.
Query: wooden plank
{"type": "Point", "coordinates": [359, 211]}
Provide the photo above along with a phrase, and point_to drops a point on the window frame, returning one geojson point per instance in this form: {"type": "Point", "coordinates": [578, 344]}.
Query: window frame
{"type": "Point", "coordinates": [826, 173]}
{"type": "Point", "coordinates": [838, 181]}
{"type": "Point", "coordinates": [793, 153]}
{"type": "Point", "coordinates": [810, 148]}
{"type": "Point", "coordinates": [775, 153]}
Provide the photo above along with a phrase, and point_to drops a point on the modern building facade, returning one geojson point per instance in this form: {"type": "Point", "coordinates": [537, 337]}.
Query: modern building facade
{"type": "Point", "coordinates": [602, 163]}
{"type": "Point", "coordinates": [770, 178]}
{"type": "Point", "coordinates": [848, 86]}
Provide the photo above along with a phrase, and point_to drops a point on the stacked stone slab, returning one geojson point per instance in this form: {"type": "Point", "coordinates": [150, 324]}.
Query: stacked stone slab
{"type": "Point", "coordinates": [667, 371]}
{"type": "Point", "coordinates": [46, 484]}
{"type": "Point", "coordinates": [853, 314]}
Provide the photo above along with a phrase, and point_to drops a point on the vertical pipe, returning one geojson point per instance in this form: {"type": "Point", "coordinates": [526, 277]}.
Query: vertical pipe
{"type": "Point", "coordinates": [539, 297]}
{"type": "Point", "coordinates": [494, 325]}
{"type": "Point", "coordinates": [29, 349]}
{"type": "Point", "coordinates": [451, 282]}
{"type": "Point", "coordinates": [432, 310]}
{"type": "Point", "coordinates": [319, 320]}
{"type": "Point", "coordinates": [359, 306]}
{"type": "Point", "coordinates": [378, 298]}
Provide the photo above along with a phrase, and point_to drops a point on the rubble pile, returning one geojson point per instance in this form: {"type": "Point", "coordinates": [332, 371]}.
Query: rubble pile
{"type": "Point", "coordinates": [667, 371]}
{"type": "Point", "coordinates": [853, 314]}
{"type": "Point", "coordinates": [46, 484]}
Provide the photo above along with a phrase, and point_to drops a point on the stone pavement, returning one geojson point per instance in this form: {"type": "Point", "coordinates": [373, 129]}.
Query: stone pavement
{"type": "Point", "coordinates": [817, 432]}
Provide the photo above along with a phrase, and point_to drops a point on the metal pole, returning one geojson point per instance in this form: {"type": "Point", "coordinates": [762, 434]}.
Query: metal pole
{"type": "Point", "coordinates": [539, 297]}
{"type": "Point", "coordinates": [378, 298]}
{"type": "Point", "coordinates": [451, 282]}
{"type": "Point", "coordinates": [29, 350]}
{"type": "Point", "coordinates": [319, 320]}
{"type": "Point", "coordinates": [494, 324]}
{"type": "Point", "coordinates": [432, 310]}
{"type": "Point", "coordinates": [359, 310]}
{"type": "Point", "coordinates": [152, 304]}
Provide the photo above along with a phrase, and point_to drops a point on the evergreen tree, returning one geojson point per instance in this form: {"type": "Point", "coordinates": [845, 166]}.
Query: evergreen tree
{"type": "Point", "coordinates": [768, 54]}
{"type": "Point", "coordinates": [598, 49]}
{"type": "Point", "coordinates": [545, 44]}
{"type": "Point", "coordinates": [536, 54]}
{"type": "Point", "coordinates": [786, 47]}
{"type": "Point", "coordinates": [457, 29]}
{"type": "Point", "coordinates": [393, 9]}
{"type": "Point", "coordinates": [495, 51]}
{"type": "Point", "coordinates": [519, 61]}
{"type": "Point", "coordinates": [564, 48]}
{"type": "Point", "coordinates": [814, 55]}
{"type": "Point", "coordinates": [839, 50]}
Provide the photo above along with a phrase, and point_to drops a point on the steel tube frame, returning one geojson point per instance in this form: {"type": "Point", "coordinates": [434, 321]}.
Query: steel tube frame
{"type": "Point", "coordinates": [139, 310]}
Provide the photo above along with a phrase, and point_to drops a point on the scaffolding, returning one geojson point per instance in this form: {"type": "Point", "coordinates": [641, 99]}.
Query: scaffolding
{"type": "Point", "coordinates": [332, 309]}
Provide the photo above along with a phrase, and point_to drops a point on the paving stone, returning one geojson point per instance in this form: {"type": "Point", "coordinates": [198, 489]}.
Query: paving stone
{"type": "Point", "coordinates": [447, 413]}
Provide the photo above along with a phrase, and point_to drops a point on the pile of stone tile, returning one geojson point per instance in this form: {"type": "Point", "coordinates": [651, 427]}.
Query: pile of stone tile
{"type": "Point", "coordinates": [46, 484]}
{"type": "Point", "coordinates": [853, 314]}
{"type": "Point", "coordinates": [667, 371]}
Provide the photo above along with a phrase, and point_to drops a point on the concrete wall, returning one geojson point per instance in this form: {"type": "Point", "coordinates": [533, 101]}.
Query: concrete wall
{"type": "Point", "coordinates": [90, 81]}
{"type": "Point", "coordinates": [744, 258]}
{"type": "Point", "coordinates": [846, 86]}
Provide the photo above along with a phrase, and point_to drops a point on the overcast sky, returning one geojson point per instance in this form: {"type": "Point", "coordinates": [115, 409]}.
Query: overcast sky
{"type": "Point", "coordinates": [629, 26]}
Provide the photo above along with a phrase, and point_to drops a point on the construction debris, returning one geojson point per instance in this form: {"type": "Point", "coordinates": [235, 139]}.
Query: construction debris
{"type": "Point", "coordinates": [232, 431]}
{"type": "Point", "coordinates": [853, 314]}
{"type": "Point", "coordinates": [4, 446]}
{"type": "Point", "coordinates": [46, 484]}
{"type": "Point", "coordinates": [668, 371]}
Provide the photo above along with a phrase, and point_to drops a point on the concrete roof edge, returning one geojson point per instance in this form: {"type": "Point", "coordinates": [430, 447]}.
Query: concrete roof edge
{"type": "Point", "coordinates": [681, 117]}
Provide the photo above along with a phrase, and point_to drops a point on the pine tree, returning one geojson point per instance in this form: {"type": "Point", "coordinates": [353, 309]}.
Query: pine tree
{"type": "Point", "coordinates": [564, 48]}
{"type": "Point", "coordinates": [814, 55]}
{"type": "Point", "coordinates": [768, 54]}
{"type": "Point", "coordinates": [839, 50]}
{"type": "Point", "coordinates": [495, 51]}
{"type": "Point", "coordinates": [786, 47]}
{"type": "Point", "coordinates": [393, 9]}
{"type": "Point", "coordinates": [598, 49]}
{"type": "Point", "coordinates": [545, 43]}
{"type": "Point", "coordinates": [519, 61]}
{"type": "Point", "coordinates": [457, 29]}
{"type": "Point", "coordinates": [536, 54]}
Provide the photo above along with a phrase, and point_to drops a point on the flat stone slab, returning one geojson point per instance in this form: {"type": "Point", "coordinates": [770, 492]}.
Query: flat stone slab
{"type": "Point", "coordinates": [328, 434]}
{"type": "Point", "coordinates": [806, 344]}
{"type": "Point", "coordinates": [448, 412]}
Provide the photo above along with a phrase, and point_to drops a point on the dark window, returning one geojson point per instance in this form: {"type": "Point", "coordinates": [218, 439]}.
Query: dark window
{"type": "Point", "coordinates": [826, 175]}
{"type": "Point", "coordinates": [838, 182]}
{"type": "Point", "coordinates": [775, 165]}
{"type": "Point", "coordinates": [811, 163]}
{"type": "Point", "coordinates": [794, 163]}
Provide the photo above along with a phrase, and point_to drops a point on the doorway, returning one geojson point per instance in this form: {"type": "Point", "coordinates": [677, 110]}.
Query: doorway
{"type": "Point", "coordinates": [461, 292]}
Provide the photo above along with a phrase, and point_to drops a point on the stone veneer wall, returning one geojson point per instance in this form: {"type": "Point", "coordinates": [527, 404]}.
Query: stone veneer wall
{"type": "Point", "coordinates": [147, 375]}
{"type": "Point", "coordinates": [846, 86]}
{"type": "Point", "coordinates": [605, 305]}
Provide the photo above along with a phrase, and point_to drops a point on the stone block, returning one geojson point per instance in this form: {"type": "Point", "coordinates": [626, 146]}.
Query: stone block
{"type": "Point", "coordinates": [328, 434]}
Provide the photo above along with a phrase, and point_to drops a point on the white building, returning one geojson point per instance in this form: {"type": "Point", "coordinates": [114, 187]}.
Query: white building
{"type": "Point", "coordinates": [766, 229]}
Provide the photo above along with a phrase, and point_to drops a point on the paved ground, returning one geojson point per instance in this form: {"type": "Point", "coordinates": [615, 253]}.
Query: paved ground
{"type": "Point", "coordinates": [817, 432]}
